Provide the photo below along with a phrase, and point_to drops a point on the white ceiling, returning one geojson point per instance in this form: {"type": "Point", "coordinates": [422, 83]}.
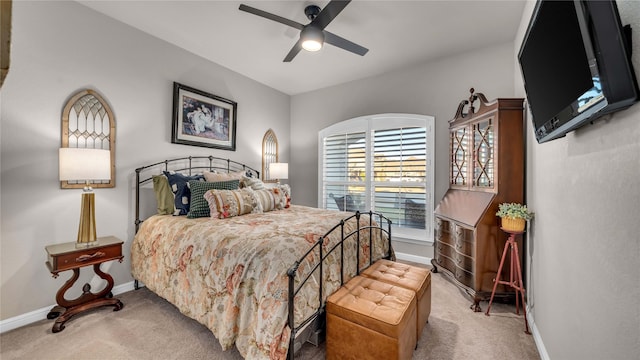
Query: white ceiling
{"type": "Point", "coordinates": [397, 34]}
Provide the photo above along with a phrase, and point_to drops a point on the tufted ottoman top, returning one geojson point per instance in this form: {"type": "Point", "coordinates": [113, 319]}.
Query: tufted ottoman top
{"type": "Point", "coordinates": [376, 305]}
{"type": "Point", "coordinates": [410, 277]}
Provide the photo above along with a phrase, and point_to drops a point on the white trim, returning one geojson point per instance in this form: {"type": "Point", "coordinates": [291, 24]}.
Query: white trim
{"type": "Point", "coordinates": [408, 240]}
{"type": "Point", "coordinates": [414, 236]}
{"type": "Point", "coordinates": [542, 350]}
{"type": "Point", "coordinates": [41, 314]}
{"type": "Point", "coordinates": [413, 258]}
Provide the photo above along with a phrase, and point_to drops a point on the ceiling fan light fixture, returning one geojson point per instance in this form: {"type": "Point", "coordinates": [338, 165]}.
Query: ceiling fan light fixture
{"type": "Point", "coordinates": [312, 38]}
{"type": "Point", "coordinates": [311, 45]}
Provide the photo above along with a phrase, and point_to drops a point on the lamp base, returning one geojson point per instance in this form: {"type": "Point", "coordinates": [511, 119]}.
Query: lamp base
{"type": "Point", "coordinates": [87, 229]}
{"type": "Point", "coordinates": [84, 245]}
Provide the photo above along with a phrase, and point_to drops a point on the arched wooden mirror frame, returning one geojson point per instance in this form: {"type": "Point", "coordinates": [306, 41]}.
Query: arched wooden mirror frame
{"type": "Point", "coordinates": [269, 153]}
{"type": "Point", "coordinates": [87, 121]}
{"type": "Point", "coordinates": [5, 38]}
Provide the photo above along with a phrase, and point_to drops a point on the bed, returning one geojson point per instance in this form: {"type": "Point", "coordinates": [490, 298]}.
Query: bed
{"type": "Point", "coordinates": [258, 280]}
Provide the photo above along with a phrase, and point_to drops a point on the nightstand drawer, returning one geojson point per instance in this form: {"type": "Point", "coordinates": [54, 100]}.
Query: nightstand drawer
{"type": "Point", "coordinates": [67, 256]}
{"type": "Point", "coordinates": [86, 257]}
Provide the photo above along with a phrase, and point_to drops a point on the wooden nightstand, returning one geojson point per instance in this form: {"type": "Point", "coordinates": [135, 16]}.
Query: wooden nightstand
{"type": "Point", "coordinates": [67, 256]}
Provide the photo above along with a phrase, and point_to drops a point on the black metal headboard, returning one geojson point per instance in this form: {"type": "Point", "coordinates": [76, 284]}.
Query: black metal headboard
{"type": "Point", "coordinates": [190, 165]}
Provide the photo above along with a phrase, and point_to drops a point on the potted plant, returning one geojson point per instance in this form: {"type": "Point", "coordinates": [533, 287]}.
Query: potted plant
{"type": "Point", "coordinates": [513, 216]}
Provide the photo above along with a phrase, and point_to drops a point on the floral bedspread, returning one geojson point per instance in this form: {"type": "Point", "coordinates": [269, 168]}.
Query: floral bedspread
{"type": "Point", "coordinates": [230, 274]}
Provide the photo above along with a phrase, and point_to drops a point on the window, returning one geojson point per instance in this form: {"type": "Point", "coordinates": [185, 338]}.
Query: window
{"type": "Point", "coordinates": [381, 163]}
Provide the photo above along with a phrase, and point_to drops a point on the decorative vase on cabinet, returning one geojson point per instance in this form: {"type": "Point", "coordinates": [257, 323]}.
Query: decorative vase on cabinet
{"type": "Point", "coordinates": [486, 168]}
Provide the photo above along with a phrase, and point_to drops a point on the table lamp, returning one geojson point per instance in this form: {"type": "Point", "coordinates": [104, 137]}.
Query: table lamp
{"type": "Point", "coordinates": [82, 164]}
{"type": "Point", "coordinates": [278, 171]}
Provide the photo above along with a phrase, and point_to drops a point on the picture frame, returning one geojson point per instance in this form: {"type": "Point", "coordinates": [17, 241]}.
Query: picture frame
{"type": "Point", "coordinates": [203, 119]}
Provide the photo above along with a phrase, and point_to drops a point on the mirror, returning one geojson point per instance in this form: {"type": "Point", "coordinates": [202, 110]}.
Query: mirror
{"type": "Point", "coordinates": [88, 122]}
{"type": "Point", "coordinates": [269, 153]}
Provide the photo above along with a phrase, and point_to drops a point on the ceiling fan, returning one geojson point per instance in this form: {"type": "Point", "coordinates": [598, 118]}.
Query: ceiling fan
{"type": "Point", "coordinates": [313, 35]}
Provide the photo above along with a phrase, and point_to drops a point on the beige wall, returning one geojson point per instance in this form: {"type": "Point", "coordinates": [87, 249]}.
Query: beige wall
{"type": "Point", "coordinates": [584, 243]}
{"type": "Point", "coordinates": [59, 48]}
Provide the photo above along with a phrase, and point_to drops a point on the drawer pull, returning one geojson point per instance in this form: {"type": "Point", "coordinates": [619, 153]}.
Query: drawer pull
{"type": "Point", "coordinates": [86, 257]}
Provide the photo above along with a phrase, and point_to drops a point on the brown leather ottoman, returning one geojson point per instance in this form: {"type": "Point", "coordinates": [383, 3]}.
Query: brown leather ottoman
{"type": "Point", "coordinates": [370, 319]}
{"type": "Point", "coordinates": [409, 277]}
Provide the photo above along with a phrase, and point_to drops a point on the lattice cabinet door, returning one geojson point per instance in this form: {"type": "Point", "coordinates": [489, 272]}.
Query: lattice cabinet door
{"type": "Point", "coordinates": [483, 154]}
{"type": "Point", "coordinates": [460, 152]}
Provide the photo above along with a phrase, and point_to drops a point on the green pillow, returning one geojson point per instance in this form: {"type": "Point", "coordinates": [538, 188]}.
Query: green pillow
{"type": "Point", "coordinates": [164, 195]}
{"type": "Point", "coordinates": [199, 206]}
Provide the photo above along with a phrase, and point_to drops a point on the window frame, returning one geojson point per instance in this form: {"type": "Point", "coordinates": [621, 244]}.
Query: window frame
{"type": "Point", "coordinates": [368, 124]}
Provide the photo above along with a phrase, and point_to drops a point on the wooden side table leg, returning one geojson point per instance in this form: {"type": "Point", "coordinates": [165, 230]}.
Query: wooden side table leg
{"type": "Point", "coordinates": [60, 310]}
{"type": "Point", "coordinates": [86, 301]}
{"type": "Point", "coordinates": [60, 299]}
{"type": "Point", "coordinates": [55, 312]}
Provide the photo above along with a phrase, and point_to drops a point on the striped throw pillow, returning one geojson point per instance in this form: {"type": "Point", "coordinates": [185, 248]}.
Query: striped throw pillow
{"type": "Point", "coordinates": [229, 203]}
{"type": "Point", "coordinates": [270, 199]}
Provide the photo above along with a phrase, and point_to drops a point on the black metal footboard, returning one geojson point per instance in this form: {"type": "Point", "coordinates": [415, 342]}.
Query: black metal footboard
{"type": "Point", "coordinates": [377, 222]}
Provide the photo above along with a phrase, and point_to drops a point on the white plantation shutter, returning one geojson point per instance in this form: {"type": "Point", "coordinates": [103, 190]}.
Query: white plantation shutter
{"type": "Point", "coordinates": [399, 175]}
{"type": "Point", "coordinates": [344, 171]}
{"type": "Point", "coordinates": [381, 163]}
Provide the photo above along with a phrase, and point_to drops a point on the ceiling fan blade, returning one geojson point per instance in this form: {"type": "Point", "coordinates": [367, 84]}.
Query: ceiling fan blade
{"type": "Point", "coordinates": [329, 12]}
{"type": "Point", "coordinates": [343, 43]}
{"type": "Point", "coordinates": [294, 51]}
{"type": "Point", "coordinates": [271, 16]}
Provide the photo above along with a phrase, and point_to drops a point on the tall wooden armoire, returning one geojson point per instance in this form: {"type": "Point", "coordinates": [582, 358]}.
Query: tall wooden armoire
{"type": "Point", "coordinates": [486, 149]}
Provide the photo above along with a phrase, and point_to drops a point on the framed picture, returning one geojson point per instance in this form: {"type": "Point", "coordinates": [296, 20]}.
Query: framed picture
{"type": "Point", "coordinates": [203, 119]}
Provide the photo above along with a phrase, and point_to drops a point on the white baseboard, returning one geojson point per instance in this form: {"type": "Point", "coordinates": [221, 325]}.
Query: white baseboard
{"type": "Point", "coordinates": [41, 314]}
{"type": "Point", "coordinates": [414, 258]}
{"type": "Point", "coordinates": [536, 336]}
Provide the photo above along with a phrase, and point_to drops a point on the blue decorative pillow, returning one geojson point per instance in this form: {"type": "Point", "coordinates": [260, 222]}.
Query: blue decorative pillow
{"type": "Point", "coordinates": [180, 188]}
{"type": "Point", "coordinates": [199, 205]}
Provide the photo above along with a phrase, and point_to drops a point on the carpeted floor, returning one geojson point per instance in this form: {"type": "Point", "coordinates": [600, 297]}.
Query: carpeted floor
{"type": "Point", "coordinates": [148, 327]}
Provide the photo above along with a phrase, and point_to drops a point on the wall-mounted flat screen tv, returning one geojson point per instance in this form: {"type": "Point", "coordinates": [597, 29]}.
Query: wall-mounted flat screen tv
{"type": "Point", "coordinates": [576, 65]}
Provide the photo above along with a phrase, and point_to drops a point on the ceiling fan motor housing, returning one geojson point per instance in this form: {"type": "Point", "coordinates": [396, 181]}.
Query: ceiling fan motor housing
{"type": "Point", "coordinates": [312, 11]}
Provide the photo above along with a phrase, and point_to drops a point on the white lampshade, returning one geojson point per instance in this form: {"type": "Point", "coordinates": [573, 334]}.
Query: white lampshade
{"type": "Point", "coordinates": [84, 164]}
{"type": "Point", "coordinates": [278, 171]}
